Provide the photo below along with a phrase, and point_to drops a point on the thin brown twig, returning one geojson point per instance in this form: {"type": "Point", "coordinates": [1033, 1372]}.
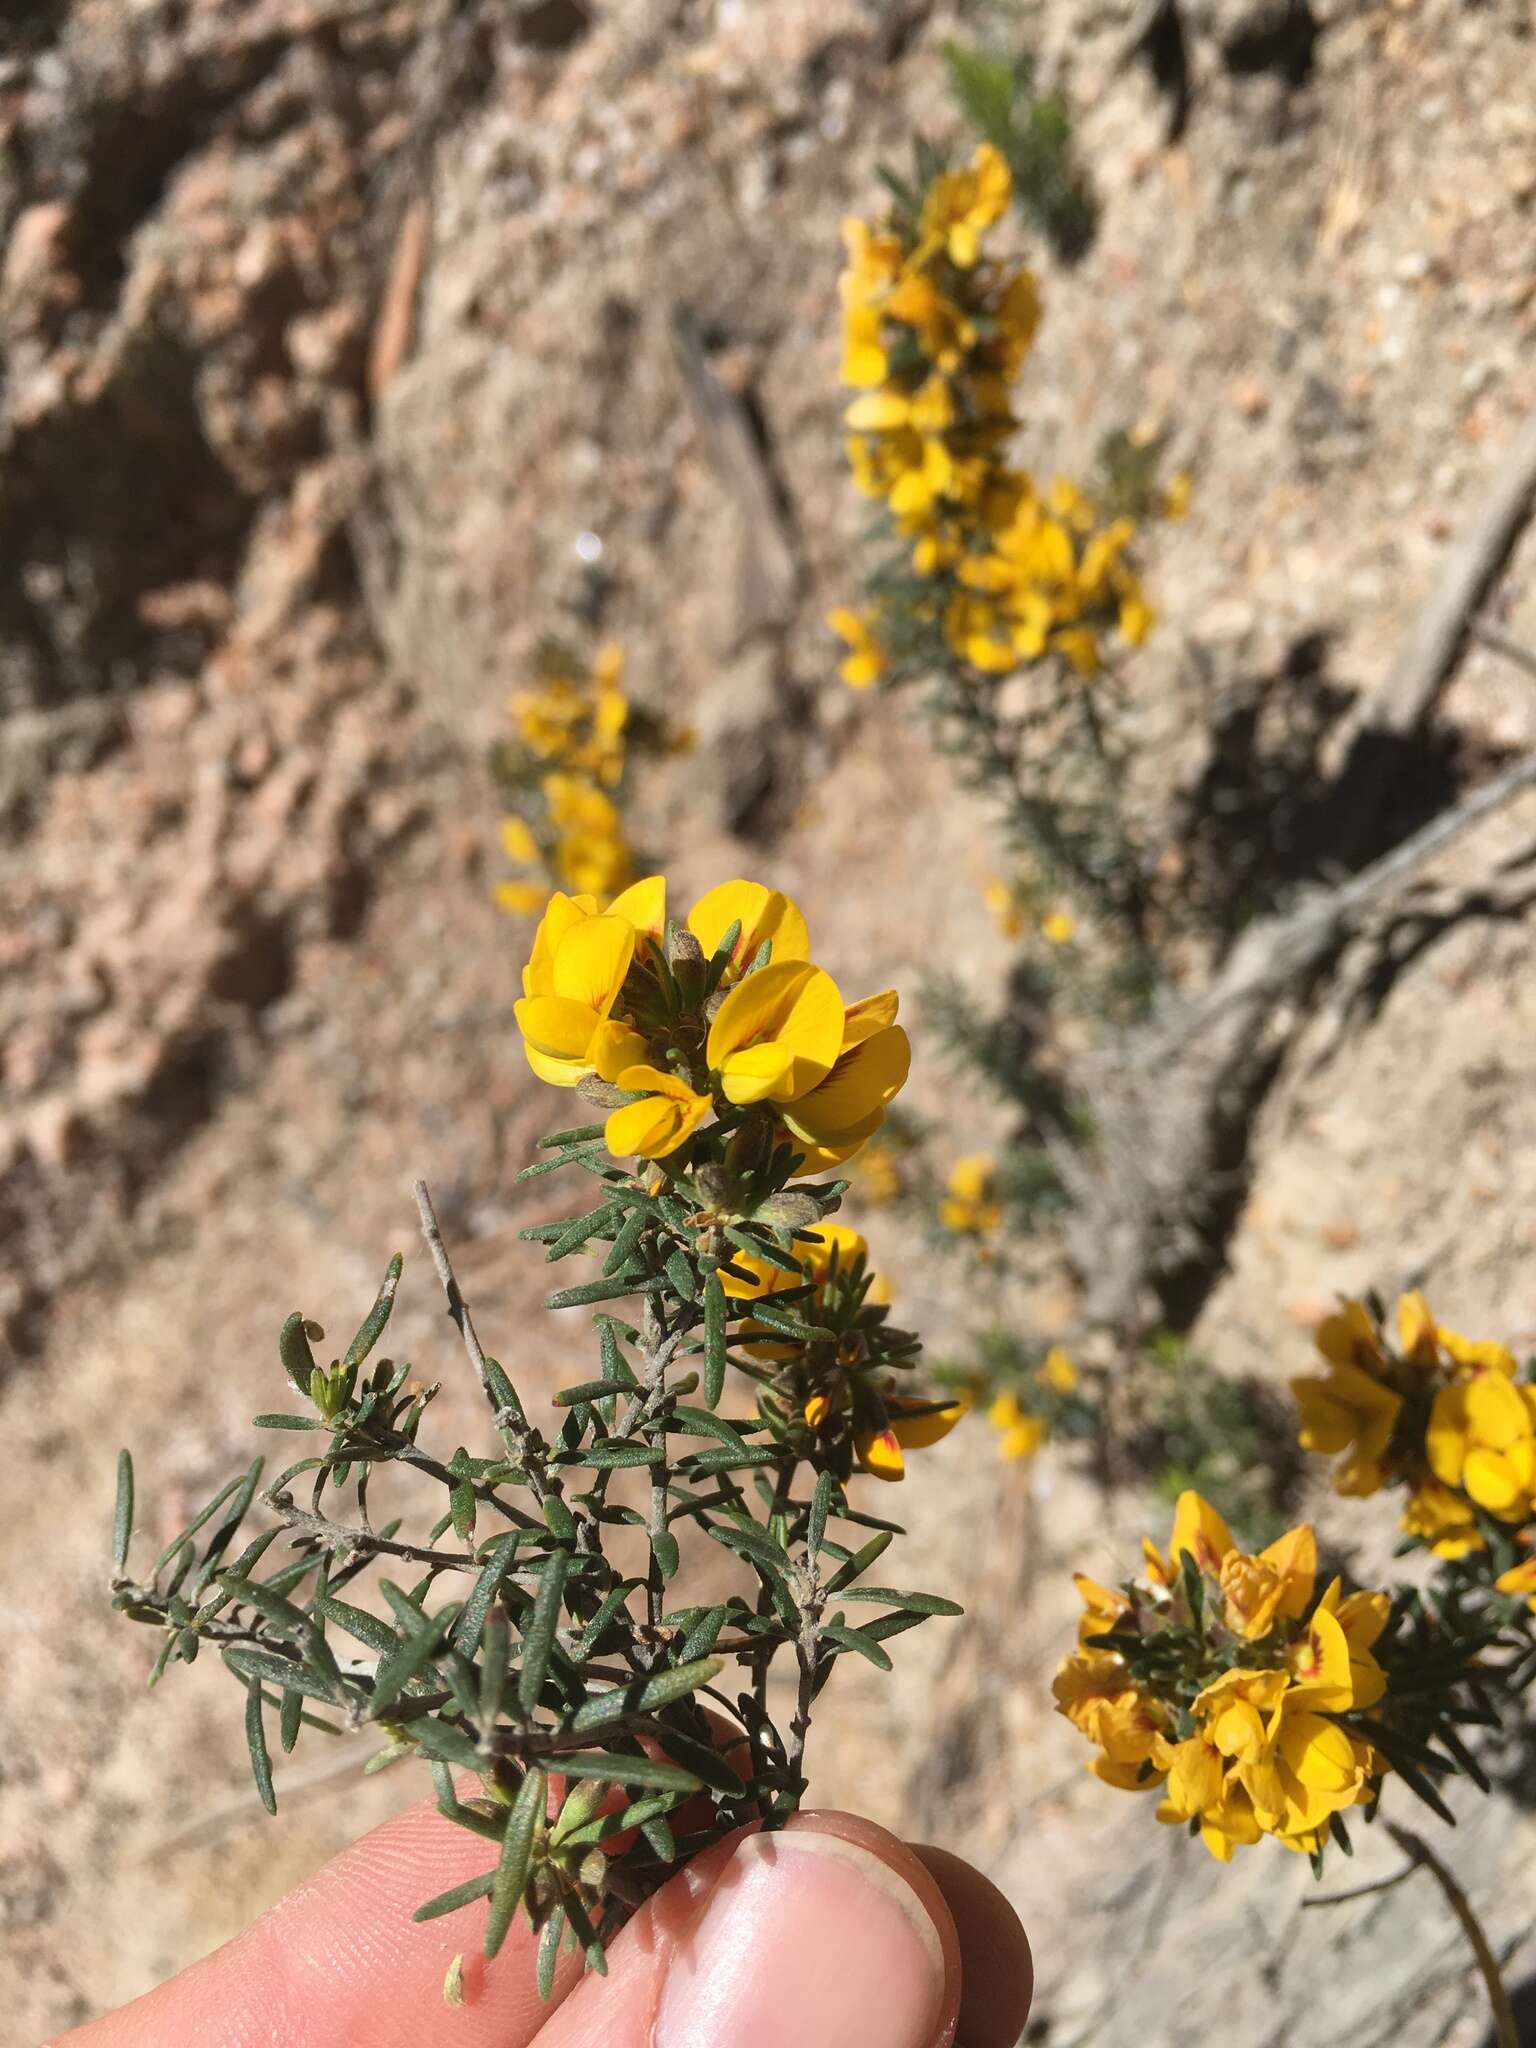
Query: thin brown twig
{"type": "Point", "coordinates": [1414, 1846]}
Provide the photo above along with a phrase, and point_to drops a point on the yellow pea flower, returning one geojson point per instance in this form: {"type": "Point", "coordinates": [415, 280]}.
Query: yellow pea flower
{"type": "Point", "coordinates": [1279, 1581]}
{"type": "Point", "coordinates": [522, 898]}
{"type": "Point", "coordinates": [960, 206]}
{"type": "Point", "coordinates": [1443, 1519]}
{"type": "Point", "coordinates": [777, 1033]}
{"type": "Point", "coordinates": [1060, 928]}
{"type": "Point", "coordinates": [575, 973]}
{"type": "Point", "coordinates": [766, 917]}
{"type": "Point", "coordinates": [970, 1208]}
{"type": "Point", "coordinates": [1482, 1439]}
{"type": "Point", "coordinates": [1020, 1434]}
{"type": "Point", "coordinates": [1520, 1580]}
{"type": "Point", "coordinates": [880, 1451]}
{"type": "Point", "coordinates": [1058, 1372]}
{"type": "Point", "coordinates": [667, 1117]}
{"type": "Point", "coordinates": [573, 980]}
{"type": "Point", "coordinates": [865, 662]}
{"type": "Point", "coordinates": [1351, 1409]}
{"type": "Point", "coordinates": [835, 1117]}
{"type": "Point", "coordinates": [518, 842]}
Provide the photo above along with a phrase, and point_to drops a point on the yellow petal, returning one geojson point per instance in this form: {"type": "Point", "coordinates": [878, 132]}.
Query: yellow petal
{"type": "Point", "coordinates": [1200, 1532]}
{"type": "Point", "coordinates": [642, 1129]}
{"type": "Point", "coordinates": [561, 914]}
{"type": "Point", "coordinates": [644, 905]}
{"type": "Point", "coordinates": [614, 1047]}
{"type": "Point", "coordinates": [863, 1080]}
{"type": "Point", "coordinates": [881, 1455]}
{"type": "Point", "coordinates": [914, 1432]}
{"type": "Point", "coordinates": [869, 1015]}
{"type": "Point", "coordinates": [762, 914]}
{"type": "Point", "coordinates": [557, 1025]}
{"type": "Point", "coordinates": [788, 1005]}
{"type": "Point", "coordinates": [592, 960]}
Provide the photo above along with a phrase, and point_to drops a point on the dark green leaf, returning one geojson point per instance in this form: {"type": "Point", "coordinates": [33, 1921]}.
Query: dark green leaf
{"type": "Point", "coordinates": [716, 1315]}
{"type": "Point", "coordinates": [516, 1853]}
{"type": "Point", "coordinates": [549, 1952]}
{"type": "Point", "coordinates": [539, 1630]}
{"type": "Point", "coordinates": [372, 1326]}
{"type": "Point", "coordinates": [404, 1663]}
{"type": "Point", "coordinates": [298, 1359]}
{"type": "Point", "coordinates": [290, 1718]}
{"type": "Point", "coordinates": [913, 1603]}
{"type": "Point", "coordinates": [122, 1514]}
{"type": "Point", "coordinates": [604, 1290]}
{"type": "Point", "coordinates": [459, 1895]}
{"type": "Point", "coordinates": [279, 1671]}
{"type": "Point", "coordinates": [256, 1740]}
{"type": "Point", "coordinates": [279, 1421]}
{"type": "Point", "coordinates": [647, 1772]}
{"type": "Point", "coordinates": [816, 1521]}
{"type": "Point", "coordinates": [855, 1639]}
{"type": "Point", "coordinates": [664, 1550]}
{"type": "Point", "coordinates": [646, 1695]}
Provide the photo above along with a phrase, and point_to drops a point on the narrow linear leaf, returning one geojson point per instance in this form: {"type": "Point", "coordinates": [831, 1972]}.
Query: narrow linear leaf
{"type": "Point", "coordinates": [647, 1773]}
{"type": "Point", "coordinates": [457, 1895]}
{"type": "Point", "coordinates": [408, 1660]}
{"type": "Point", "coordinates": [549, 1952]}
{"type": "Point", "coordinates": [516, 1852]}
{"type": "Point", "coordinates": [855, 1639]}
{"type": "Point", "coordinates": [290, 1719]}
{"type": "Point", "coordinates": [715, 1317]}
{"type": "Point", "coordinates": [256, 1741]}
{"type": "Point", "coordinates": [372, 1326]}
{"type": "Point", "coordinates": [605, 1290]}
{"type": "Point", "coordinates": [278, 1671]}
{"type": "Point", "coordinates": [122, 1514]}
{"type": "Point", "coordinates": [293, 1349]}
{"type": "Point", "coordinates": [816, 1522]}
{"type": "Point", "coordinates": [645, 1696]}
{"type": "Point", "coordinates": [539, 1631]}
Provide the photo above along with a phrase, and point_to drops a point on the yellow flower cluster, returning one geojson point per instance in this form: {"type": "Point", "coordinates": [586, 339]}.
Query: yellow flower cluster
{"type": "Point", "coordinates": [1433, 1411]}
{"type": "Point", "coordinates": [1022, 1428]}
{"type": "Point", "coordinates": [1260, 1729]}
{"type": "Point", "coordinates": [835, 1399]}
{"type": "Point", "coordinates": [1014, 914]}
{"type": "Point", "coordinates": [724, 1016]}
{"type": "Point", "coordinates": [970, 1207]}
{"type": "Point", "coordinates": [572, 731]}
{"type": "Point", "coordinates": [935, 332]}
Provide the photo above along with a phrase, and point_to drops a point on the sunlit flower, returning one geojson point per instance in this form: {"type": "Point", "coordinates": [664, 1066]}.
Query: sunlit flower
{"type": "Point", "coordinates": [971, 1208]}
{"type": "Point", "coordinates": [866, 661]}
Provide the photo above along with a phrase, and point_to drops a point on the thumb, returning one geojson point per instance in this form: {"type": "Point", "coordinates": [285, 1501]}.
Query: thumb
{"type": "Point", "coordinates": [826, 1932]}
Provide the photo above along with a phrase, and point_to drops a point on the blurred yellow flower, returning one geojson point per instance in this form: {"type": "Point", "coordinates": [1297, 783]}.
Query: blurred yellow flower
{"type": "Point", "coordinates": [865, 662]}
{"type": "Point", "coordinates": [1020, 1434]}
{"type": "Point", "coordinates": [971, 1208]}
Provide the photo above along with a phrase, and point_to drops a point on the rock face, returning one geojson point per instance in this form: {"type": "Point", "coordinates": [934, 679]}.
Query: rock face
{"type": "Point", "coordinates": [328, 328]}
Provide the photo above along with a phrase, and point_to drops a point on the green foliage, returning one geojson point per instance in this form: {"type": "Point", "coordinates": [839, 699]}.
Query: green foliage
{"type": "Point", "coordinates": [1033, 132]}
{"type": "Point", "coordinates": [499, 1635]}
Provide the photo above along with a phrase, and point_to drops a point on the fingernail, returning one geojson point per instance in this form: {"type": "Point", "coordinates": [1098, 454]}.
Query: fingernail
{"type": "Point", "coordinates": [807, 1939]}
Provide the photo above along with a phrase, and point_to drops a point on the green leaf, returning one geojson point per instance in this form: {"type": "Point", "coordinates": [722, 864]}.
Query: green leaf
{"type": "Point", "coordinates": [860, 1562]}
{"type": "Point", "coordinates": [549, 1952]}
{"type": "Point", "coordinates": [280, 1421]}
{"type": "Point", "coordinates": [580, 1134]}
{"type": "Point", "coordinates": [613, 1457]}
{"type": "Point", "coordinates": [706, 1763]}
{"type": "Point", "coordinates": [290, 1719]}
{"type": "Point", "coordinates": [442, 1742]}
{"type": "Point", "coordinates": [645, 1696]}
{"type": "Point", "coordinates": [293, 1349]}
{"type": "Point", "coordinates": [516, 1853]}
{"type": "Point", "coordinates": [682, 1276]}
{"type": "Point", "coordinates": [626, 1243]}
{"type": "Point", "coordinates": [605, 1290]}
{"type": "Point", "coordinates": [591, 1390]}
{"type": "Point", "coordinates": [408, 1660]}
{"type": "Point", "coordinates": [816, 1522]}
{"type": "Point", "coordinates": [495, 1650]}
{"type": "Point", "coordinates": [716, 1313]}
{"type": "Point", "coordinates": [278, 1671]}
{"type": "Point", "coordinates": [612, 1602]}
{"type": "Point", "coordinates": [855, 1639]}
{"type": "Point", "coordinates": [910, 1603]}
{"type": "Point", "coordinates": [122, 1513]}
{"type": "Point", "coordinates": [665, 1551]}
{"type": "Point", "coordinates": [256, 1740]}
{"type": "Point", "coordinates": [646, 1772]}
{"type": "Point", "coordinates": [576, 1232]}
{"type": "Point", "coordinates": [360, 1624]}
{"type": "Point", "coordinates": [458, 1895]}
{"type": "Point", "coordinates": [539, 1630]}
{"type": "Point", "coordinates": [372, 1326]}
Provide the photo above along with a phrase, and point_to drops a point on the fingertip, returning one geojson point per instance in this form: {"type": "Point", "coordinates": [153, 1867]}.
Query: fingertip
{"type": "Point", "coordinates": [997, 1970]}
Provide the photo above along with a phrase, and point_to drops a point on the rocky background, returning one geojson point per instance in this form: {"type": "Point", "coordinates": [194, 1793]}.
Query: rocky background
{"type": "Point", "coordinates": [328, 326]}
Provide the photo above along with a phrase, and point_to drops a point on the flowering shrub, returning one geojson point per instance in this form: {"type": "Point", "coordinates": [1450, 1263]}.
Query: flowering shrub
{"type": "Point", "coordinates": [1003, 572]}
{"type": "Point", "coordinates": [590, 1712]}
{"type": "Point", "coordinates": [565, 776]}
{"type": "Point", "coordinates": [1448, 1420]}
{"type": "Point", "coordinates": [1254, 1703]}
